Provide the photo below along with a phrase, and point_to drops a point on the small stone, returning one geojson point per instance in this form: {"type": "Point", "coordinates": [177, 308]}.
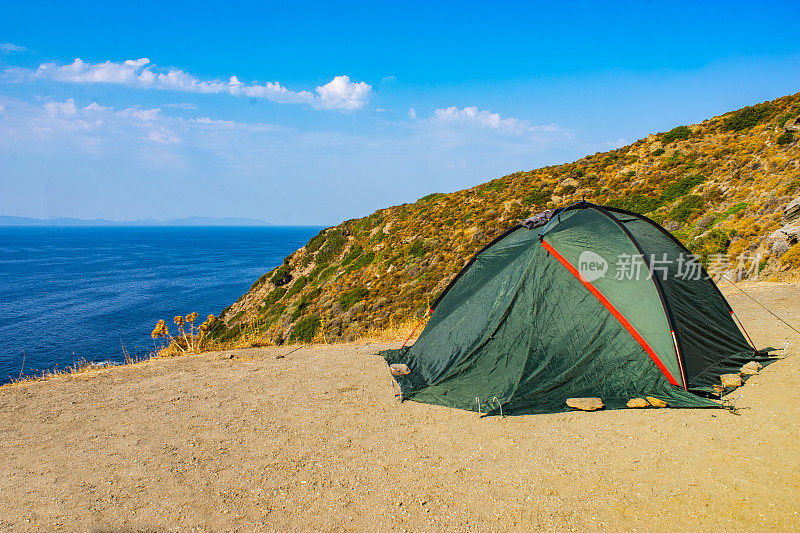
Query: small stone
{"type": "Point", "coordinates": [751, 368]}
{"type": "Point", "coordinates": [638, 403]}
{"type": "Point", "coordinates": [655, 402]}
{"type": "Point", "coordinates": [399, 369]}
{"type": "Point", "coordinates": [586, 404]}
{"type": "Point", "coordinates": [731, 380]}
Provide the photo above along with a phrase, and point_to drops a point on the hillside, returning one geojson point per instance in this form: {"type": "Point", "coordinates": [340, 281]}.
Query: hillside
{"type": "Point", "coordinates": [722, 187]}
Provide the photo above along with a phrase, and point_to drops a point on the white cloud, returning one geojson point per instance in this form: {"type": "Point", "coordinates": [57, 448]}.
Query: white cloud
{"type": "Point", "coordinates": [8, 47]}
{"type": "Point", "coordinates": [486, 119]}
{"type": "Point", "coordinates": [181, 105]}
{"type": "Point", "coordinates": [340, 93]}
{"type": "Point", "coordinates": [142, 158]}
{"type": "Point", "coordinates": [144, 115]}
{"type": "Point", "coordinates": [59, 120]}
{"type": "Point", "coordinates": [67, 109]}
{"type": "Point", "coordinates": [412, 113]}
{"type": "Point", "coordinates": [162, 137]}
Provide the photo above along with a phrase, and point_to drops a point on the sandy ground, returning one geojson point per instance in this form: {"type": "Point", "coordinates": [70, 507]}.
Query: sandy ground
{"type": "Point", "coordinates": [313, 439]}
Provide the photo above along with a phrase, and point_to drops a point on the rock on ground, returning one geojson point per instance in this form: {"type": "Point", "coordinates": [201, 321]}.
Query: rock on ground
{"type": "Point", "coordinates": [586, 404]}
{"type": "Point", "coordinates": [752, 368]}
{"type": "Point", "coordinates": [655, 402]}
{"type": "Point", "coordinates": [731, 380]}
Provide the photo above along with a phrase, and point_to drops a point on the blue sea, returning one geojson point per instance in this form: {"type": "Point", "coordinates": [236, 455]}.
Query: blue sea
{"type": "Point", "coordinates": [75, 293]}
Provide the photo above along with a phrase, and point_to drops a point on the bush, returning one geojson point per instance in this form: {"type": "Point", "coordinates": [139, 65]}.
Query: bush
{"type": "Point", "coordinates": [792, 256]}
{"type": "Point", "coordinates": [430, 197]}
{"type": "Point", "coordinates": [785, 138]}
{"type": "Point", "coordinates": [676, 134]}
{"type": "Point", "coordinates": [361, 262]}
{"type": "Point", "coordinates": [637, 203]}
{"type": "Point", "coordinates": [747, 117]}
{"type": "Point", "coordinates": [736, 209]}
{"type": "Point", "coordinates": [347, 299]}
{"type": "Point", "coordinates": [281, 275]}
{"type": "Point", "coordinates": [688, 207]}
{"type": "Point", "coordinates": [714, 242]}
{"type": "Point", "coordinates": [304, 302]}
{"type": "Point", "coordinates": [657, 152]}
{"type": "Point", "coordinates": [332, 248]}
{"type": "Point", "coordinates": [274, 296]}
{"type": "Point", "coordinates": [675, 190]}
{"type": "Point", "coordinates": [354, 252]}
{"type": "Point", "coordinates": [297, 286]}
{"type": "Point", "coordinates": [305, 329]}
{"type": "Point", "coordinates": [536, 197]}
{"type": "Point", "coordinates": [417, 249]}
{"type": "Point", "coordinates": [315, 242]}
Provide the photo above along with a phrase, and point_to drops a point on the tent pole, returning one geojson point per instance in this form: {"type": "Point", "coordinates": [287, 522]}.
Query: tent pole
{"type": "Point", "coordinates": [744, 330]}
{"type": "Point", "coordinates": [415, 328]}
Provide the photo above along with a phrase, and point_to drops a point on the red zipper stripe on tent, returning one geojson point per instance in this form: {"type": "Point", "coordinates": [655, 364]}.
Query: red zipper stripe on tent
{"type": "Point", "coordinates": [622, 320]}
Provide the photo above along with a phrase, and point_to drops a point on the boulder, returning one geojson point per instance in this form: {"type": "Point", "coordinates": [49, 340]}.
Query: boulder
{"type": "Point", "coordinates": [791, 213]}
{"type": "Point", "coordinates": [638, 403]}
{"type": "Point", "coordinates": [655, 402]}
{"type": "Point", "coordinates": [399, 369]}
{"type": "Point", "coordinates": [751, 368]}
{"type": "Point", "coordinates": [586, 404]}
{"type": "Point", "coordinates": [793, 124]}
{"type": "Point", "coordinates": [783, 238]}
{"type": "Point", "coordinates": [731, 380]}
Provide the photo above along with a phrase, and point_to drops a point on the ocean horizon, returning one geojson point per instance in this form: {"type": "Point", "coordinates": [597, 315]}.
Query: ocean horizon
{"type": "Point", "coordinates": [72, 294]}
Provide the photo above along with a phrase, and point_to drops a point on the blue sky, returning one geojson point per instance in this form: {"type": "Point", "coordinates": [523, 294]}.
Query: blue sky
{"type": "Point", "coordinates": [312, 113]}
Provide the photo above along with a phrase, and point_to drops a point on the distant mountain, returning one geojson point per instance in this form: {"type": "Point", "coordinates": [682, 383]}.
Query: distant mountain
{"type": "Point", "coordinates": [190, 221]}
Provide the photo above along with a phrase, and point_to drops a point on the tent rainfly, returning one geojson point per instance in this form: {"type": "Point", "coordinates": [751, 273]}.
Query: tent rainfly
{"type": "Point", "coordinates": [583, 301]}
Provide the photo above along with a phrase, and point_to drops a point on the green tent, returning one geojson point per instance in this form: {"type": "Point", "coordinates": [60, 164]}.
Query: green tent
{"type": "Point", "coordinates": [584, 301]}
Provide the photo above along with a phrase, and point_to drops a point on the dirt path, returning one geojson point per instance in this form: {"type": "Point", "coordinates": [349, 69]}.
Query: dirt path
{"type": "Point", "coordinates": [314, 440]}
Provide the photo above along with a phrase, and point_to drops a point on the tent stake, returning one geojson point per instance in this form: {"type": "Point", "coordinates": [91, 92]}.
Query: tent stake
{"type": "Point", "coordinates": [478, 401]}
{"type": "Point", "coordinates": [500, 404]}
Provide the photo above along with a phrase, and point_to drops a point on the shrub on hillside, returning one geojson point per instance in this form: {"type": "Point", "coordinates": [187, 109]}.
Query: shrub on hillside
{"type": "Point", "coordinates": [274, 296]}
{"type": "Point", "coordinates": [281, 275]}
{"type": "Point", "coordinates": [354, 252]}
{"type": "Point", "coordinates": [658, 151]}
{"type": "Point", "coordinates": [785, 138]}
{"type": "Point", "coordinates": [536, 197]}
{"type": "Point", "coordinates": [315, 242]}
{"type": "Point", "coordinates": [747, 117]}
{"type": "Point", "coordinates": [676, 134]}
{"type": "Point", "coordinates": [417, 249]}
{"type": "Point", "coordinates": [714, 242]}
{"type": "Point", "coordinates": [675, 190]}
{"type": "Point", "coordinates": [361, 262]}
{"type": "Point", "coordinates": [792, 256]}
{"type": "Point", "coordinates": [638, 203]}
{"type": "Point", "coordinates": [347, 299]}
{"type": "Point", "coordinates": [687, 208]}
{"type": "Point", "coordinates": [297, 286]}
{"type": "Point", "coordinates": [305, 329]}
